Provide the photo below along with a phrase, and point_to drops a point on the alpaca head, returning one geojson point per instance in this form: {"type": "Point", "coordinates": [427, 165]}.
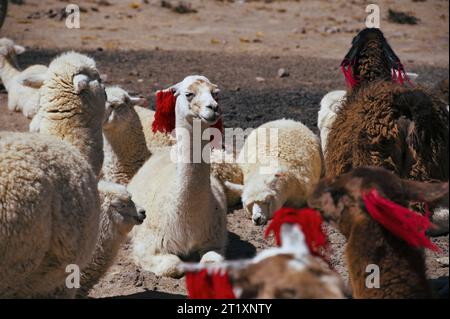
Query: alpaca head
{"type": "Point", "coordinates": [262, 196]}
{"type": "Point", "coordinates": [119, 112]}
{"type": "Point", "coordinates": [288, 271]}
{"type": "Point", "coordinates": [71, 75]}
{"type": "Point", "coordinates": [340, 200]}
{"type": "Point", "coordinates": [197, 99]}
{"type": "Point", "coordinates": [371, 58]}
{"type": "Point", "coordinates": [121, 209]}
{"type": "Point", "coordinates": [9, 51]}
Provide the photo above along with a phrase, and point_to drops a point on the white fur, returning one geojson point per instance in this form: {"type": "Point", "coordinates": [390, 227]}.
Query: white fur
{"type": "Point", "coordinates": [72, 83]}
{"type": "Point", "coordinates": [124, 142]}
{"type": "Point", "coordinates": [329, 106]}
{"type": "Point", "coordinates": [300, 167]}
{"type": "Point", "coordinates": [21, 98]}
{"type": "Point", "coordinates": [119, 215]}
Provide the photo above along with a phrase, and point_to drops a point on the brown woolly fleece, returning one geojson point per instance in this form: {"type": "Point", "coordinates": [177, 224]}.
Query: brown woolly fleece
{"type": "Point", "coordinates": [402, 267]}
{"type": "Point", "coordinates": [385, 124]}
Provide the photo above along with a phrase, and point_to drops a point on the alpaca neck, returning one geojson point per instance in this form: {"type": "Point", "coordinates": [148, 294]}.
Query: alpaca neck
{"type": "Point", "coordinates": [402, 268]}
{"type": "Point", "coordinates": [373, 64]}
{"type": "Point", "coordinates": [193, 173]}
{"type": "Point", "coordinates": [124, 157]}
{"type": "Point", "coordinates": [7, 73]}
{"type": "Point", "coordinates": [108, 244]}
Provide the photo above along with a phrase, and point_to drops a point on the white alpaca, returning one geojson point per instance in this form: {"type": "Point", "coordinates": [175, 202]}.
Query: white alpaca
{"type": "Point", "coordinates": [21, 98]}
{"type": "Point", "coordinates": [124, 139]}
{"type": "Point", "coordinates": [50, 213]}
{"type": "Point", "coordinates": [298, 157]}
{"type": "Point", "coordinates": [186, 207]}
{"type": "Point", "coordinates": [49, 217]}
{"type": "Point", "coordinates": [329, 106]}
{"type": "Point", "coordinates": [60, 104]}
{"type": "Point", "coordinates": [118, 216]}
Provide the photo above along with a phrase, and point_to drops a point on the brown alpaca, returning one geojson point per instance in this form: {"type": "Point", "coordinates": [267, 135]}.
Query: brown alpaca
{"type": "Point", "coordinates": [386, 124]}
{"type": "Point", "coordinates": [402, 267]}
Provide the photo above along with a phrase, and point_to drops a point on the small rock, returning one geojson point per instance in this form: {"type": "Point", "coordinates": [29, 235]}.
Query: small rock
{"type": "Point", "coordinates": [140, 80]}
{"type": "Point", "coordinates": [260, 79]}
{"type": "Point", "coordinates": [283, 73]}
{"type": "Point", "coordinates": [443, 261]}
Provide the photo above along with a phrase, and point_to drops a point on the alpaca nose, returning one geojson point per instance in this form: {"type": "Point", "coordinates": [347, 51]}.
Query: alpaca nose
{"type": "Point", "coordinates": [259, 220]}
{"type": "Point", "coordinates": [141, 212]}
{"type": "Point", "coordinates": [213, 106]}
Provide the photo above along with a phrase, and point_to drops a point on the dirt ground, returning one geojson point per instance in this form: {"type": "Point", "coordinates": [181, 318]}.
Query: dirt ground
{"type": "Point", "coordinates": [240, 46]}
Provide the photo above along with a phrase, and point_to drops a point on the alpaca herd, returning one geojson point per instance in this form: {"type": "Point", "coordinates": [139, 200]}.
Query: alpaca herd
{"type": "Point", "coordinates": [99, 168]}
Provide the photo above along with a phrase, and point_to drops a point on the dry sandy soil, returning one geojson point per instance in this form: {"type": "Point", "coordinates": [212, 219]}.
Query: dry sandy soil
{"type": "Point", "coordinates": [144, 47]}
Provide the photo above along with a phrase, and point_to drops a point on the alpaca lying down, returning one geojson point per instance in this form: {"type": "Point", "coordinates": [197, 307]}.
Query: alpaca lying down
{"type": "Point", "coordinates": [368, 206]}
{"type": "Point", "coordinates": [185, 205]}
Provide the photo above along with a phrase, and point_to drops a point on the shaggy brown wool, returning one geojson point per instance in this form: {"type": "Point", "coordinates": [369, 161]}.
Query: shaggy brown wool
{"type": "Point", "coordinates": [402, 267]}
{"type": "Point", "coordinates": [385, 124]}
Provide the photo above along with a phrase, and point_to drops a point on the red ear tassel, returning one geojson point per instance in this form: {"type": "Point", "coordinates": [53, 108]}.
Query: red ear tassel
{"type": "Point", "coordinates": [202, 285]}
{"type": "Point", "coordinates": [346, 68]}
{"type": "Point", "coordinates": [310, 222]}
{"type": "Point", "coordinates": [400, 221]}
{"type": "Point", "coordinates": [165, 112]}
{"type": "Point", "coordinates": [399, 74]}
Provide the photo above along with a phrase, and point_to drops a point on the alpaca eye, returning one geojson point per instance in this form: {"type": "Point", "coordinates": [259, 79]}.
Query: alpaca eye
{"type": "Point", "coordinates": [189, 95]}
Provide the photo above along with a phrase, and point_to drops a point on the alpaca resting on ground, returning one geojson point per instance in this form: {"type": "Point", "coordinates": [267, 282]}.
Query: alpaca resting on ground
{"type": "Point", "coordinates": [60, 104]}
{"type": "Point", "coordinates": [385, 124]}
{"type": "Point", "coordinates": [123, 137]}
{"type": "Point", "coordinates": [21, 98]}
{"type": "Point", "coordinates": [185, 205]}
{"type": "Point", "coordinates": [294, 270]}
{"type": "Point", "coordinates": [119, 215]}
{"type": "Point", "coordinates": [380, 237]}
{"type": "Point", "coordinates": [295, 151]}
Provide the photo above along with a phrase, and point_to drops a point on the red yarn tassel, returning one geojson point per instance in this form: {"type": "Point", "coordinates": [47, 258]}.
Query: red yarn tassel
{"type": "Point", "coordinates": [347, 70]}
{"type": "Point", "coordinates": [222, 286]}
{"type": "Point", "coordinates": [203, 285]}
{"type": "Point", "coordinates": [165, 112]}
{"type": "Point", "coordinates": [310, 222]}
{"type": "Point", "coordinates": [400, 221]}
{"type": "Point", "coordinates": [399, 74]}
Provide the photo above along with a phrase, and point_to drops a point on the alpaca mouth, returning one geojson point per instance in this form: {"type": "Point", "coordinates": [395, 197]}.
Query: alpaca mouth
{"type": "Point", "coordinates": [139, 219]}
{"type": "Point", "coordinates": [211, 120]}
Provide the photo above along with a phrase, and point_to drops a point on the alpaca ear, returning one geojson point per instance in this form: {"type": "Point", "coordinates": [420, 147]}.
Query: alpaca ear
{"type": "Point", "coordinates": [19, 49]}
{"type": "Point", "coordinates": [80, 82]}
{"type": "Point", "coordinates": [428, 192]}
{"type": "Point", "coordinates": [34, 81]}
{"type": "Point", "coordinates": [138, 100]}
{"type": "Point", "coordinates": [238, 188]}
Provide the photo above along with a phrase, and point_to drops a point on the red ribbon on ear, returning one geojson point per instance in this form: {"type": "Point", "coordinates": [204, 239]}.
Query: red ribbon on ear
{"type": "Point", "coordinates": [165, 112]}
{"type": "Point", "coordinates": [347, 70]}
{"type": "Point", "coordinates": [203, 285]}
{"type": "Point", "coordinates": [399, 74]}
{"type": "Point", "coordinates": [400, 221]}
{"type": "Point", "coordinates": [310, 222]}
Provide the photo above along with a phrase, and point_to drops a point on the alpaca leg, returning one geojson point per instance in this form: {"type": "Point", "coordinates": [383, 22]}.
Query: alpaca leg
{"type": "Point", "coordinates": [441, 221]}
{"type": "Point", "coordinates": [212, 257]}
{"type": "Point", "coordinates": [165, 265]}
{"type": "Point", "coordinates": [12, 105]}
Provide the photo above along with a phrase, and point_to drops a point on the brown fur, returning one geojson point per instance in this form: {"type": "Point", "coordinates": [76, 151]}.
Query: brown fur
{"type": "Point", "coordinates": [388, 125]}
{"type": "Point", "coordinates": [402, 268]}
